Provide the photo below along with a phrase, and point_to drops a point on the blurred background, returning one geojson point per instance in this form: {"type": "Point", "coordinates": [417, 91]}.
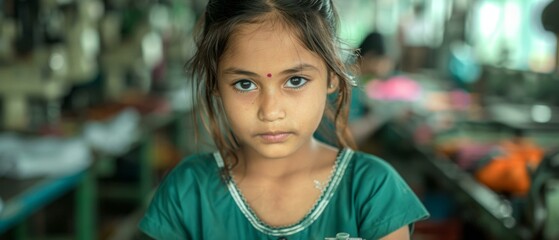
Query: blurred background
{"type": "Point", "coordinates": [461, 96]}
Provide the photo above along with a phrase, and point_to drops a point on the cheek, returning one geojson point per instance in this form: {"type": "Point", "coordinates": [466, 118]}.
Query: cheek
{"type": "Point", "coordinates": [237, 109]}
{"type": "Point", "coordinates": [310, 109]}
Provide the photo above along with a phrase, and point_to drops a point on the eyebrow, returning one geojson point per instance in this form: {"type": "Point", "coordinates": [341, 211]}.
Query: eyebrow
{"type": "Point", "coordinates": [292, 70]}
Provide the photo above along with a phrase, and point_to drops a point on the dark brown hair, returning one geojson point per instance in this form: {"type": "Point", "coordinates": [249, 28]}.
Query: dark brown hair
{"type": "Point", "coordinates": [315, 23]}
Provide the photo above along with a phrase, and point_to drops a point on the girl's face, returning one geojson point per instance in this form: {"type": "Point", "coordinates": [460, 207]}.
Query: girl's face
{"type": "Point", "coordinates": [273, 90]}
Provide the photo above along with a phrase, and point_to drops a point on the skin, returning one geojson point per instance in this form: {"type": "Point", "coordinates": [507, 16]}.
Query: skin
{"type": "Point", "coordinates": [270, 84]}
{"type": "Point", "coordinates": [273, 91]}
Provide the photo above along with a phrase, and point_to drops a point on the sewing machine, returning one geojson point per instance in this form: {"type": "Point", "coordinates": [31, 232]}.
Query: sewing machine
{"type": "Point", "coordinates": [54, 46]}
{"type": "Point", "coordinates": [42, 76]}
{"type": "Point", "coordinates": [128, 59]}
{"type": "Point", "coordinates": [543, 200]}
{"type": "Point", "coordinates": [82, 39]}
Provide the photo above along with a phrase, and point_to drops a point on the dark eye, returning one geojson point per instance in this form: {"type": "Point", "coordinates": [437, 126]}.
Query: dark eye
{"type": "Point", "coordinates": [244, 85]}
{"type": "Point", "coordinates": [296, 82]}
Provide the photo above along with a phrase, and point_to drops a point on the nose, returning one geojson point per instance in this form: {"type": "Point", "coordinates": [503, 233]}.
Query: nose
{"type": "Point", "coordinates": [270, 108]}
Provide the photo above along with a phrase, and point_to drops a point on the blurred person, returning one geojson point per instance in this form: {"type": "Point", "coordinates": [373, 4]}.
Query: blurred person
{"type": "Point", "coordinates": [373, 64]}
{"type": "Point", "coordinates": [374, 61]}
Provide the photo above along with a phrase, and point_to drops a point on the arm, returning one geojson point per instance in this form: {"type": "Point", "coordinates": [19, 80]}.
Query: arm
{"type": "Point", "coordinates": [402, 233]}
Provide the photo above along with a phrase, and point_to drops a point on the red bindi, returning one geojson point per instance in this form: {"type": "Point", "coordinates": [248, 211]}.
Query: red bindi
{"type": "Point", "coordinates": [269, 75]}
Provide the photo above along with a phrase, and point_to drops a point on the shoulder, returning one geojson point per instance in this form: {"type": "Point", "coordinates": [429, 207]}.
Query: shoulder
{"type": "Point", "coordinates": [196, 163]}
{"type": "Point", "coordinates": [371, 173]}
{"type": "Point", "coordinates": [195, 169]}
{"type": "Point", "coordinates": [171, 210]}
{"type": "Point", "coordinates": [369, 164]}
{"type": "Point", "coordinates": [186, 182]}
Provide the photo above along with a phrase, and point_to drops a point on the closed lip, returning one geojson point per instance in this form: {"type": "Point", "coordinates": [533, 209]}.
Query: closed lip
{"type": "Point", "coordinates": [274, 137]}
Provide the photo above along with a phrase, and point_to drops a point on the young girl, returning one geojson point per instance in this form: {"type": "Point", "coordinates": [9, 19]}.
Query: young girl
{"type": "Point", "coordinates": [264, 69]}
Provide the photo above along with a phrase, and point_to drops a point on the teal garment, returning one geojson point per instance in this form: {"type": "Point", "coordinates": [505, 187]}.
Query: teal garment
{"type": "Point", "coordinates": [365, 197]}
{"type": "Point", "coordinates": [357, 106]}
{"type": "Point", "coordinates": [357, 110]}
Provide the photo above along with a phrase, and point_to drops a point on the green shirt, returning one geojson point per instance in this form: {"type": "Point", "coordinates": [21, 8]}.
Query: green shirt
{"type": "Point", "coordinates": [365, 197]}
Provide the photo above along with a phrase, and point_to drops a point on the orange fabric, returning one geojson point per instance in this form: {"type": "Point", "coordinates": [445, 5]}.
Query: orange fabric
{"type": "Point", "coordinates": [510, 172]}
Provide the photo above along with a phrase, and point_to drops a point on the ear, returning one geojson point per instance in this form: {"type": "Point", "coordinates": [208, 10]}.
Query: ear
{"type": "Point", "coordinates": [333, 82]}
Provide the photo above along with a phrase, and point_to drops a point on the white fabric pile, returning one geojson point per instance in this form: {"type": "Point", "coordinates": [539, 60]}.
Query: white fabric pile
{"type": "Point", "coordinates": [41, 156]}
{"type": "Point", "coordinates": [27, 157]}
{"type": "Point", "coordinates": [114, 136]}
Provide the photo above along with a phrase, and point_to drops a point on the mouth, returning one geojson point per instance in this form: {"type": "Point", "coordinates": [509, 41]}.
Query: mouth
{"type": "Point", "coordinates": [274, 137]}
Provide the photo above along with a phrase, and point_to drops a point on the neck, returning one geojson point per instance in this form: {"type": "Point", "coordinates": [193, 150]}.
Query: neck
{"type": "Point", "coordinates": [253, 165]}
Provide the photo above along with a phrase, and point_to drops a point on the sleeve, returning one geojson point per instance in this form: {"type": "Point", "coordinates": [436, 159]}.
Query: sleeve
{"type": "Point", "coordinates": [386, 203]}
{"type": "Point", "coordinates": [163, 218]}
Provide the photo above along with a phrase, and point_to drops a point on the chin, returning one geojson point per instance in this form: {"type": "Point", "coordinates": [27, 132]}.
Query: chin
{"type": "Point", "coordinates": [275, 151]}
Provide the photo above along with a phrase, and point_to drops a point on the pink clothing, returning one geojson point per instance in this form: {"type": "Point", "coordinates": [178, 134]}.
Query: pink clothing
{"type": "Point", "coordinates": [396, 88]}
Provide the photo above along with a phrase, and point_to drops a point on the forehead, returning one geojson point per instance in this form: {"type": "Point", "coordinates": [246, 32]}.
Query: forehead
{"type": "Point", "coordinates": [257, 45]}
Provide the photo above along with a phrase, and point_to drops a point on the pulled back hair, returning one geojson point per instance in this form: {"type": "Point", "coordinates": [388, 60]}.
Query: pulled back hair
{"type": "Point", "coordinates": [314, 22]}
{"type": "Point", "coordinates": [373, 43]}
